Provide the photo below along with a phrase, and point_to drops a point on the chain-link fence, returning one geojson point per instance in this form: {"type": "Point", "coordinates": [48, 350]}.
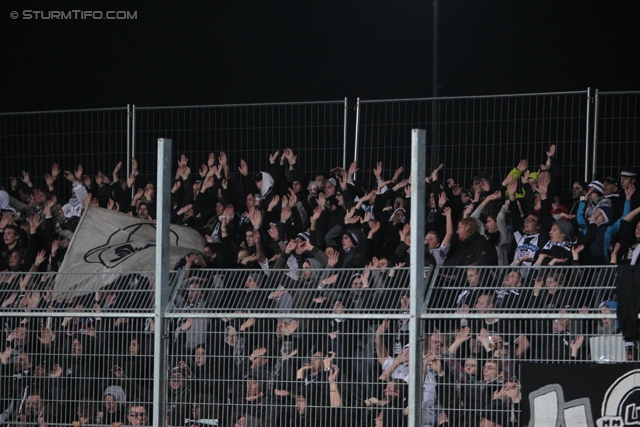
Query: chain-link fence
{"type": "Point", "coordinates": [315, 131]}
{"type": "Point", "coordinates": [34, 141]}
{"type": "Point", "coordinates": [617, 132]}
{"type": "Point", "coordinates": [472, 134]}
{"type": "Point", "coordinates": [299, 347]}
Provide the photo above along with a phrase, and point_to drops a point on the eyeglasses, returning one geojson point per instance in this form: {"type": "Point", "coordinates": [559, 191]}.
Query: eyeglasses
{"type": "Point", "coordinates": [138, 414]}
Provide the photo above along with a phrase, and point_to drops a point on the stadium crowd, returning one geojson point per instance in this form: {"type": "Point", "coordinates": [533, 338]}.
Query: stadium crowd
{"type": "Point", "coordinates": [326, 243]}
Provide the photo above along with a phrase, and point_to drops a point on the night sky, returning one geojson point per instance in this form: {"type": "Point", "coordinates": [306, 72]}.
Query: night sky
{"type": "Point", "coordinates": [216, 52]}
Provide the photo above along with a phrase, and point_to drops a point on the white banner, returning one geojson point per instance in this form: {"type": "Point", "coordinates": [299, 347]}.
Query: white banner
{"type": "Point", "coordinates": [111, 242]}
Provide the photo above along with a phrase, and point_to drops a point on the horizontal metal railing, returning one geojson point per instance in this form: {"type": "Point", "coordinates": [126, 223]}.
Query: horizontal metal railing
{"type": "Point", "coordinates": [253, 344]}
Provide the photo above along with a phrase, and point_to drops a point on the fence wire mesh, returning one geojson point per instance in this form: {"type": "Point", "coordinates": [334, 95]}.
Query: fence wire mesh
{"type": "Point", "coordinates": [315, 131]}
{"type": "Point", "coordinates": [255, 347]}
{"type": "Point", "coordinates": [475, 134]}
{"type": "Point", "coordinates": [617, 133]}
{"type": "Point", "coordinates": [33, 142]}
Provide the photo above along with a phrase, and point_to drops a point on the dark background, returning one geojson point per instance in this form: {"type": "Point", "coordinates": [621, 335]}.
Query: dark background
{"type": "Point", "coordinates": [216, 52]}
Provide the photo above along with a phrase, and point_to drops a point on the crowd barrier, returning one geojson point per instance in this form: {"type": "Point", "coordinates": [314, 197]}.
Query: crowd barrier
{"type": "Point", "coordinates": [595, 135]}
{"type": "Point", "coordinates": [307, 347]}
{"type": "Point", "coordinates": [32, 142]}
{"type": "Point", "coordinates": [315, 131]}
{"type": "Point", "coordinates": [473, 134]}
{"type": "Point", "coordinates": [617, 126]}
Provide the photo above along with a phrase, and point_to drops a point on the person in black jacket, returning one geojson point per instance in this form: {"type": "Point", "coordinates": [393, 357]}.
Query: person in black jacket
{"type": "Point", "coordinates": [473, 247]}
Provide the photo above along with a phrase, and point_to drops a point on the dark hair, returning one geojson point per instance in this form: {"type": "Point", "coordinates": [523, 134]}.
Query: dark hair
{"type": "Point", "coordinates": [15, 228]}
{"type": "Point", "coordinates": [135, 404]}
{"type": "Point", "coordinates": [471, 223]}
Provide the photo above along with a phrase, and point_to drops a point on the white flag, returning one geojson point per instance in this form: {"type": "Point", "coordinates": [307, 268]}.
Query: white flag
{"type": "Point", "coordinates": [107, 242]}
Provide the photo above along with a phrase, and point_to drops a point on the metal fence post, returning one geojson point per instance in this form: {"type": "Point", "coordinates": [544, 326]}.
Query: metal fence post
{"type": "Point", "coordinates": [129, 118]}
{"type": "Point", "coordinates": [162, 278]}
{"type": "Point", "coordinates": [418, 151]}
{"type": "Point", "coordinates": [586, 156]}
{"type": "Point", "coordinates": [595, 139]}
{"type": "Point", "coordinates": [355, 150]}
{"type": "Point", "coordinates": [344, 136]}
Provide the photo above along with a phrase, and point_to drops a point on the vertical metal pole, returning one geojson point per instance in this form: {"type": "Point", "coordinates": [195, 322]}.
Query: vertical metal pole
{"type": "Point", "coordinates": [435, 152]}
{"type": "Point", "coordinates": [344, 137]}
{"type": "Point", "coordinates": [133, 146]}
{"type": "Point", "coordinates": [355, 151]}
{"type": "Point", "coordinates": [435, 48]}
{"type": "Point", "coordinates": [162, 279]}
{"type": "Point", "coordinates": [586, 156]}
{"type": "Point", "coordinates": [418, 167]}
{"type": "Point", "coordinates": [595, 138]}
{"type": "Point", "coordinates": [128, 139]}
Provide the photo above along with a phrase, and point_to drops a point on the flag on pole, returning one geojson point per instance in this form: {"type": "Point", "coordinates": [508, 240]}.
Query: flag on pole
{"type": "Point", "coordinates": [107, 242]}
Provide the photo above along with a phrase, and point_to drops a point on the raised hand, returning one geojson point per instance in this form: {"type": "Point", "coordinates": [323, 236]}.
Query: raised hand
{"type": "Point", "coordinates": [212, 160]}
{"type": "Point", "coordinates": [273, 232]}
{"type": "Point", "coordinates": [434, 173]}
{"type": "Point", "coordinates": [55, 171]}
{"type": "Point", "coordinates": [274, 157]}
{"type": "Point", "coordinates": [333, 259]}
{"type": "Point", "coordinates": [442, 199]}
{"type": "Point", "coordinates": [513, 186]}
{"type": "Point", "coordinates": [40, 258]}
{"type": "Point", "coordinates": [552, 150]}
{"type": "Point", "coordinates": [291, 246]}
{"type": "Point", "coordinates": [577, 343]}
{"type": "Point", "coordinates": [629, 191]}
{"type": "Point", "coordinates": [184, 209]}
{"type": "Point", "coordinates": [397, 173]}
{"type": "Point", "coordinates": [138, 194]}
{"type": "Point", "coordinates": [374, 229]}
{"type": "Point", "coordinates": [383, 327]}
{"type": "Point", "coordinates": [523, 165]}
{"type": "Point", "coordinates": [116, 170]}
{"type": "Point", "coordinates": [316, 214]}
{"type": "Point", "coordinates": [467, 211]}
{"type": "Point", "coordinates": [222, 159]}
{"type": "Point", "coordinates": [78, 172]}
{"type": "Point", "coordinates": [405, 230]}
{"type": "Point", "coordinates": [353, 168]}
{"type": "Point", "coordinates": [293, 198]}
{"type": "Point", "coordinates": [48, 179]}
{"type": "Point", "coordinates": [243, 168]}
{"type": "Point", "coordinates": [34, 222]}
{"type": "Point", "coordinates": [256, 219]}
{"type": "Point", "coordinates": [333, 373]}
{"type": "Point", "coordinates": [25, 178]}
{"type": "Point", "coordinates": [377, 171]}
{"type": "Point", "coordinates": [285, 214]}
{"type": "Point", "coordinates": [494, 196]}
{"type": "Point", "coordinates": [273, 203]}
{"type": "Point", "coordinates": [463, 335]}
{"type": "Point", "coordinates": [543, 184]}
{"type": "Point", "coordinates": [290, 328]}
